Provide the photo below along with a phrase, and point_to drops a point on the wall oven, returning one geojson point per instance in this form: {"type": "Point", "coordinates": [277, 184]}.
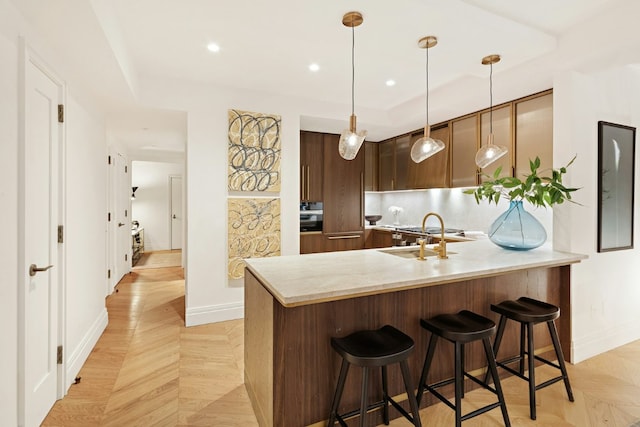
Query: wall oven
{"type": "Point", "coordinates": [311, 216]}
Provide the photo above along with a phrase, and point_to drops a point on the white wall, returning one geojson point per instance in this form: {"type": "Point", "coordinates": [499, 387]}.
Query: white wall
{"type": "Point", "coordinates": [152, 204]}
{"type": "Point", "coordinates": [8, 217]}
{"type": "Point", "coordinates": [85, 214]}
{"type": "Point", "coordinates": [605, 288]}
{"type": "Point", "coordinates": [209, 295]}
{"type": "Point", "coordinates": [86, 232]}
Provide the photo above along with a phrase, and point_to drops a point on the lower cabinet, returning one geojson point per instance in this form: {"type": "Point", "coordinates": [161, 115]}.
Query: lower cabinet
{"type": "Point", "coordinates": [314, 242]}
{"type": "Point", "coordinates": [378, 239]}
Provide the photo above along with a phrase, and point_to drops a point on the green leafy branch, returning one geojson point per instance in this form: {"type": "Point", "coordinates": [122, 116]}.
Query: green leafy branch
{"type": "Point", "coordinates": [538, 190]}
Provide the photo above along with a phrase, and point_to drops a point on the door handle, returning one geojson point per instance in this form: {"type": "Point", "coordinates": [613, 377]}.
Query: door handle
{"type": "Point", "coordinates": [120, 224]}
{"type": "Point", "coordinates": [174, 216]}
{"type": "Point", "coordinates": [33, 269]}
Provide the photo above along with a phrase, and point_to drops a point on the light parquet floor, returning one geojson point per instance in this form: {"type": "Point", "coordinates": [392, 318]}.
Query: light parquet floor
{"type": "Point", "coordinates": [158, 259]}
{"type": "Point", "coordinates": [147, 369]}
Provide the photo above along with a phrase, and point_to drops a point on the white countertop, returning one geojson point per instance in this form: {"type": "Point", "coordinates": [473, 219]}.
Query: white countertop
{"type": "Point", "coordinates": [312, 278]}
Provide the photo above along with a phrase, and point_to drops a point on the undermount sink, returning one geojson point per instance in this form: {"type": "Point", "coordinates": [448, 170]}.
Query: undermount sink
{"type": "Point", "coordinates": [411, 252]}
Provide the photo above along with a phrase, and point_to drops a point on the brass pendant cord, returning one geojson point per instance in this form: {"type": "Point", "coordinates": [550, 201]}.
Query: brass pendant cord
{"type": "Point", "coordinates": [353, 68]}
{"type": "Point", "coordinates": [426, 107]}
{"type": "Point", "coordinates": [491, 99]}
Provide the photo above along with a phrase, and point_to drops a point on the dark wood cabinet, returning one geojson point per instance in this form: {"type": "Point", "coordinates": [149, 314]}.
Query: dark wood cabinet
{"type": "Point", "coordinates": [534, 133]}
{"type": "Point", "coordinates": [311, 242]}
{"type": "Point", "coordinates": [311, 166]}
{"type": "Point", "coordinates": [371, 166]}
{"type": "Point", "coordinates": [402, 162]}
{"type": "Point", "coordinates": [343, 192]}
{"type": "Point", "coordinates": [381, 239]}
{"type": "Point", "coordinates": [386, 165]}
{"type": "Point", "coordinates": [464, 144]}
{"type": "Point", "coordinates": [434, 171]}
{"type": "Point", "coordinates": [502, 135]}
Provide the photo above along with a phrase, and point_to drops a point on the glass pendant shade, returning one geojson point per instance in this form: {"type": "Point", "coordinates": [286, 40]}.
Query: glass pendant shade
{"type": "Point", "coordinates": [489, 153]}
{"type": "Point", "coordinates": [351, 141]}
{"type": "Point", "coordinates": [425, 147]}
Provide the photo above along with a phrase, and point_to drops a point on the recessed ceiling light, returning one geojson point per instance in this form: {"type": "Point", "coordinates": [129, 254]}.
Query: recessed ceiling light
{"type": "Point", "coordinates": [314, 67]}
{"type": "Point", "coordinates": [213, 47]}
{"type": "Point", "coordinates": [390, 82]}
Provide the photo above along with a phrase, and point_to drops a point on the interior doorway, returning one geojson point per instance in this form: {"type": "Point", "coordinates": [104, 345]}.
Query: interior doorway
{"type": "Point", "coordinates": [41, 320]}
{"type": "Point", "coordinates": [158, 209]}
{"type": "Point", "coordinates": [175, 188]}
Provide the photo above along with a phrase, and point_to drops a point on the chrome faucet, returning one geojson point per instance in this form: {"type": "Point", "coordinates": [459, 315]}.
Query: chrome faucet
{"type": "Point", "coordinates": [441, 248]}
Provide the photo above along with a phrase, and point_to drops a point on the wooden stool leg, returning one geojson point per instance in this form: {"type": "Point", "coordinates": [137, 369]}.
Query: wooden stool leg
{"type": "Point", "coordinates": [532, 375]}
{"type": "Point", "coordinates": [363, 397]}
{"type": "Point", "coordinates": [338, 394]}
{"type": "Point", "coordinates": [560, 356]}
{"type": "Point", "coordinates": [496, 344]}
{"type": "Point", "coordinates": [491, 361]}
{"type": "Point", "coordinates": [385, 397]}
{"type": "Point", "coordinates": [462, 370]}
{"type": "Point", "coordinates": [458, 383]}
{"type": "Point", "coordinates": [413, 404]}
{"type": "Point", "coordinates": [522, 344]}
{"type": "Point", "coordinates": [425, 368]}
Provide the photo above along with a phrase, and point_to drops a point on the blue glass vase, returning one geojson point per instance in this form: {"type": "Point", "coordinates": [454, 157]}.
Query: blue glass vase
{"type": "Point", "coordinates": [517, 229]}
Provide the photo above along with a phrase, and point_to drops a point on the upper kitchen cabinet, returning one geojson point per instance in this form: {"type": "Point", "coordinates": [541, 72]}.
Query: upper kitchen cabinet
{"type": "Point", "coordinates": [371, 166]}
{"type": "Point", "coordinates": [502, 135]}
{"type": "Point", "coordinates": [386, 165]}
{"type": "Point", "coordinates": [534, 132]}
{"type": "Point", "coordinates": [464, 144]}
{"type": "Point", "coordinates": [343, 194]}
{"type": "Point", "coordinates": [311, 166]}
{"type": "Point", "coordinates": [432, 172]}
{"type": "Point", "coordinates": [402, 159]}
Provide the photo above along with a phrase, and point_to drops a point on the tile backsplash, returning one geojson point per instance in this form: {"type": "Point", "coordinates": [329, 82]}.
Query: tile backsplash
{"type": "Point", "coordinates": [458, 210]}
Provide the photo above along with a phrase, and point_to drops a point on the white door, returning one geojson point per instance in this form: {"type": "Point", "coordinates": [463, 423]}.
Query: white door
{"type": "Point", "coordinates": [176, 212]}
{"type": "Point", "coordinates": [122, 218]}
{"type": "Point", "coordinates": [39, 297]}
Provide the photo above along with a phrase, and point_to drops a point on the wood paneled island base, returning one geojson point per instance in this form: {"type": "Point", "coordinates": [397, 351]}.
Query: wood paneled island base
{"type": "Point", "coordinates": [291, 369]}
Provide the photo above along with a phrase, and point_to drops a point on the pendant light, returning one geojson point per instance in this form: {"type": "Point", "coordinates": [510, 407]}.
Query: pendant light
{"type": "Point", "coordinates": [350, 139]}
{"type": "Point", "coordinates": [426, 146]}
{"type": "Point", "coordinates": [490, 152]}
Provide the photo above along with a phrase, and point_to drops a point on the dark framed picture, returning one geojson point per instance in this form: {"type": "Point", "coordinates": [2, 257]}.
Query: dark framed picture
{"type": "Point", "coordinates": [616, 169]}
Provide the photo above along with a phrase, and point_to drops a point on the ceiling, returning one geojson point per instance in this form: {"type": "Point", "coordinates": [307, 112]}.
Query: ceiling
{"type": "Point", "coordinates": [268, 46]}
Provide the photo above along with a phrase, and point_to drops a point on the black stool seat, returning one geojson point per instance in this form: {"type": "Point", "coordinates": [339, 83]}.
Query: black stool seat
{"type": "Point", "coordinates": [374, 348]}
{"type": "Point", "coordinates": [527, 310]}
{"type": "Point", "coordinates": [461, 328]}
{"type": "Point", "coordinates": [464, 326]}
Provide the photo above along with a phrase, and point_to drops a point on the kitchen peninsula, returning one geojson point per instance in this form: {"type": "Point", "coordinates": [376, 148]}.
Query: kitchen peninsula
{"type": "Point", "coordinates": [294, 304]}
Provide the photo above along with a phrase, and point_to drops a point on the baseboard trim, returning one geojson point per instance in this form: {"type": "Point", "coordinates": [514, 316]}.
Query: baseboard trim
{"type": "Point", "coordinates": [604, 341]}
{"type": "Point", "coordinates": [81, 353]}
{"type": "Point", "coordinates": [214, 313]}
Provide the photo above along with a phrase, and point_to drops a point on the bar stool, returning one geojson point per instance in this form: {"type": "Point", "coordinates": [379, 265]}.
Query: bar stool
{"type": "Point", "coordinates": [367, 349]}
{"type": "Point", "coordinates": [460, 329]}
{"type": "Point", "coordinates": [529, 312]}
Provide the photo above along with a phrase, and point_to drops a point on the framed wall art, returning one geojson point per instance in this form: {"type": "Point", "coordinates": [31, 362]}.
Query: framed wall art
{"type": "Point", "coordinates": [616, 171]}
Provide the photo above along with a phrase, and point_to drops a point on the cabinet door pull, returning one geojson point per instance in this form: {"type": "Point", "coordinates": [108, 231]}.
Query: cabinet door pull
{"type": "Point", "coordinates": [308, 175]}
{"type": "Point", "coordinates": [354, 236]}
{"type": "Point", "coordinates": [302, 186]}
